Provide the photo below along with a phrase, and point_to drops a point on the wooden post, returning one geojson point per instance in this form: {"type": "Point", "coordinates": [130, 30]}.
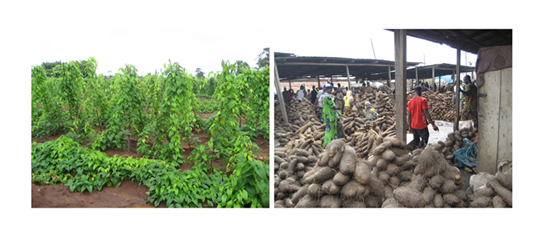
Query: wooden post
{"type": "Point", "coordinates": [401, 83]}
{"type": "Point", "coordinates": [457, 107]}
{"type": "Point", "coordinates": [290, 83]}
{"type": "Point", "coordinates": [439, 85]}
{"type": "Point", "coordinates": [348, 76]}
{"type": "Point", "coordinates": [280, 96]}
{"type": "Point", "coordinates": [416, 74]}
{"type": "Point", "coordinates": [433, 77]}
{"type": "Point", "coordinates": [389, 77]}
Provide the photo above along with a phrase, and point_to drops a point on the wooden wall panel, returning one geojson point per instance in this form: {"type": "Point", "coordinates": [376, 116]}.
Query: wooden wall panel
{"type": "Point", "coordinates": [489, 119]}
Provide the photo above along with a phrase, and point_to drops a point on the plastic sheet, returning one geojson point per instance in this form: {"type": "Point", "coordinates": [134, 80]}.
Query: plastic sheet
{"type": "Point", "coordinates": [467, 157]}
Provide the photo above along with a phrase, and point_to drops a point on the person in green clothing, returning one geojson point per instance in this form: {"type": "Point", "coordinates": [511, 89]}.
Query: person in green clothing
{"type": "Point", "coordinates": [329, 115]}
{"type": "Point", "coordinates": [469, 112]}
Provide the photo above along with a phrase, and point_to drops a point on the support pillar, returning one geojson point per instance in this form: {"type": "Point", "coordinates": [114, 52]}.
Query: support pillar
{"type": "Point", "coordinates": [433, 77]}
{"type": "Point", "coordinates": [457, 107]}
{"type": "Point", "coordinates": [400, 37]}
{"type": "Point", "coordinates": [389, 77]}
{"type": "Point", "coordinates": [280, 96]}
{"type": "Point", "coordinates": [416, 74]}
{"type": "Point", "coordinates": [348, 76]}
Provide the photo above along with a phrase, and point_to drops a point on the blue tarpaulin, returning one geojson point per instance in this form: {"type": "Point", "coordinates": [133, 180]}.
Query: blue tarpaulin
{"type": "Point", "coordinates": [446, 78]}
{"type": "Point", "coordinates": [466, 157]}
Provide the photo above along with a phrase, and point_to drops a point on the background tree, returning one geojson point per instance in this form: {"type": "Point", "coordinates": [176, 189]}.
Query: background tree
{"type": "Point", "coordinates": [199, 73]}
{"type": "Point", "coordinates": [263, 59]}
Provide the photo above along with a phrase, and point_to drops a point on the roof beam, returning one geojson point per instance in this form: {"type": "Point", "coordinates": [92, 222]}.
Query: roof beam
{"type": "Point", "coordinates": [337, 64]}
{"type": "Point", "coordinates": [467, 38]}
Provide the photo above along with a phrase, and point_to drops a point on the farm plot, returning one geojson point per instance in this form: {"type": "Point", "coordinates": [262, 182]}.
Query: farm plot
{"type": "Point", "coordinates": [91, 135]}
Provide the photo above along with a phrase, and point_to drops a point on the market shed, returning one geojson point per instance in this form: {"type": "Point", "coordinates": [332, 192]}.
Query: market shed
{"type": "Point", "coordinates": [429, 71]}
{"type": "Point", "coordinates": [291, 66]}
{"type": "Point", "coordinates": [288, 66]}
{"type": "Point", "coordinates": [494, 79]}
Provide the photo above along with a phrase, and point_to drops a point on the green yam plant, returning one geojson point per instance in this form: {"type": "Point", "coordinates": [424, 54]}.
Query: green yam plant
{"type": "Point", "coordinates": [174, 120]}
{"type": "Point", "coordinates": [156, 112]}
{"type": "Point", "coordinates": [249, 181]}
{"type": "Point", "coordinates": [126, 119]}
{"type": "Point", "coordinates": [257, 119]}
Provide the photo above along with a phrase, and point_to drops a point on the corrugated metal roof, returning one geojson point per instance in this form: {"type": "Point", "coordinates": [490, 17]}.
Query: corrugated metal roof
{"type": "Point", "coordinates": [470, 39]}
{"type": "Point", "coordinates": [291, 66]}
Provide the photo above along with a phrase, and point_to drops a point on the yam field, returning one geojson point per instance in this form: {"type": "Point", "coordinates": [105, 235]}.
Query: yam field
{"type": "Point", "coordinates": [371, 168]}
{"type": "Point", "coordinates": [183, 159]}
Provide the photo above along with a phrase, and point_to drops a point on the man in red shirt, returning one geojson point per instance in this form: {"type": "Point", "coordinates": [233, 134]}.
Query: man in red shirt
{"type": "Point", "coordinates": [418, 119]}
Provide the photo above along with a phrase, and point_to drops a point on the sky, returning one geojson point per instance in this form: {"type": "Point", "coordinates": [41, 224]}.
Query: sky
{"type": "Point", "coordinates": [367, 43]}
{"type": "Point", "coordinates": [149, 49]}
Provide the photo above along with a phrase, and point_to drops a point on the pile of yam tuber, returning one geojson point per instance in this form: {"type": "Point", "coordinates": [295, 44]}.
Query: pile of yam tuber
{"type": "Point", "coordinates": [455, 141]}
{"type": "Point", "coordinates": [339, 179]}
{"type": "Point", "coordinates": [363, 140]}
{"type": "Point", "coordinates": [299, 115]}
{"type": "Point", "coordinates": [497, 191]}
{"type": "Point", "coordinates": [434, 184]}
{"type": "Point", "coordinates": [289, 170]}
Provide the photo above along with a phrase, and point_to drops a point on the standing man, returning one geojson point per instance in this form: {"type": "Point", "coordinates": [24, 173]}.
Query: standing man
{"type": "Point", "coordinates": [300, 93]}
{"type": "Point", "coordinates": [285, 96]}
{"type": "Point", "coordinates": [313, 94]}
{"type": "Point", "coordinates": [290, 95]}
{"type": "Point", "coordinates": [419, 118]}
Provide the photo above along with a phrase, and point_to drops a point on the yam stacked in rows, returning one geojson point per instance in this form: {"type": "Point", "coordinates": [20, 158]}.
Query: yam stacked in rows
{"type": "Point", "coordinates": [363, 139]}
{"type": "Point", "coordinates": [309, 138]}
{"type": "Point", "coordinates": [384, 103]}
{"type": "Point", "coordinates": [497, 192]}
{"type": "Point", "coordinates": [299, 114]}
{"type": "Point", "coordinates": [434, 184]}
{"type": "Point", "coordinates": [339, 179]}
{"type": "Point", "coordinates": [289, 170]}
{"type": "Point", "coordinates": [352, 123]}
{"type": "Point", "coordinates": [440, 105]}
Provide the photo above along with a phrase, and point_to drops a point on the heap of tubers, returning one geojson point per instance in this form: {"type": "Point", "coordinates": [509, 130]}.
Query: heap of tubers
{"type": "Point", "coordinates": [434, 184]}
{"type": "Point", "coordinates": [299, 115]}
{"type": "Point", "coordinates": [497, 192]}
{"type": "Point", "coordinates": [339, 179]}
